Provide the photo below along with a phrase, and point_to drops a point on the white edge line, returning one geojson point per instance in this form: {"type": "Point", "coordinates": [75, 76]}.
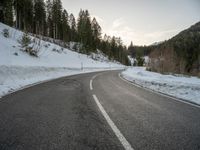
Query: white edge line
{"type": "Point", "coordinates": [117, 132]}
{"type": "Point", "coordinates": [168, 96]}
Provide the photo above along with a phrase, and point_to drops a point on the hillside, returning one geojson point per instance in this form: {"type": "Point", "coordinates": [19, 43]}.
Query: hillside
{"type": "Point", "coordinates": [19, 68]}
{"type": "Point", "coordinates": [180, 54]}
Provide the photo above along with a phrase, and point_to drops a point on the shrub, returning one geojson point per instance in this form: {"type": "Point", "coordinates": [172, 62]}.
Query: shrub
{"type": "Point", "coordinates": [6, 33]}
{"type": "Point", "coordinates": [148, 69]}
{"type": "Point", "coordinates": [140, 60]}
{"type": "Point", "coordinates": [25, 40]}
{"type": "Point", "coordinates": [16, 54]}
{"type": "Point", "coordinates": [31, 51]}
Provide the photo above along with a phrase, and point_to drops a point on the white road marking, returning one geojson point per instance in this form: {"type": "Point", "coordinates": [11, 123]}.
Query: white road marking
{"type": "Point", "coordinates": [168, 96]}
{"type": "Point", "coordinates": [91, 81]}
{"type": "Point", "coordinates": [117, 132]}
{"type": "Point", "coordinates": [91, 88]}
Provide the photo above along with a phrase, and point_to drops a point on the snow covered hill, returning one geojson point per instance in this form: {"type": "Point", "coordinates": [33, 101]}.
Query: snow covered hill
{"type": "Point", "coordinates": [184, 87]}
{"type": "Point", "coordinates": [18, 68]}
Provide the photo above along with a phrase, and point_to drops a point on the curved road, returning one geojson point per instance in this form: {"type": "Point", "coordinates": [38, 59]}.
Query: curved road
{"type": "Point", "coordinates": [96, 111]}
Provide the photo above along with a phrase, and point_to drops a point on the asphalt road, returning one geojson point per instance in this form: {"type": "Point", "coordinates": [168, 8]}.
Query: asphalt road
{"type": "Point", "coordinates": [63, 115]}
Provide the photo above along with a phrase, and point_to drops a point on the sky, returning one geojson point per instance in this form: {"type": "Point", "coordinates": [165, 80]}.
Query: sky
{"type": "Point", "coordinates": [141, 21]}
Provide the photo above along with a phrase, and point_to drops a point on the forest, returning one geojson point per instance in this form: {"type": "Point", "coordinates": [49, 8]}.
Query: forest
{"type": "Point", "coordinates": [180, 54]}
{"type": "Point", "coordinates": [50, 19]}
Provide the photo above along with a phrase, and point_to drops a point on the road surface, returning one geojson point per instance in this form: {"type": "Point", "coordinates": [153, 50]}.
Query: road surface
{"type": "Point", "coordinates": [96, 111]}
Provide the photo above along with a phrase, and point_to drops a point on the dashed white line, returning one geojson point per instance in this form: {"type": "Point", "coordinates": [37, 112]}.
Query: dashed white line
{"type": "Point", "coordinates": [91, 81]}
{"type": "Point", "coordinates": [91, 88]}
{"type": "Point", "coordinates": [117, 132]}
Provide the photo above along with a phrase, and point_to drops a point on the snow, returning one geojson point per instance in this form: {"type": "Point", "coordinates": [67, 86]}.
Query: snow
{"type": "Point", "coordinates": [146, 59]}
{"type": "Point", "coordinates": [179, 86]}
{"type": "Point", "coordinates": [131, 60]}
{"type": "Point", "coordinates": [19, 69]}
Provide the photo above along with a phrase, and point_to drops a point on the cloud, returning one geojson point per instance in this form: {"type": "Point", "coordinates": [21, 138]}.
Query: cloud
{"type": "Point", "coordinates": [161, 34]}
{"type": "Point", "coordinates": [118, 23]}
{"type": "Point", "coordinates": [120, 28]}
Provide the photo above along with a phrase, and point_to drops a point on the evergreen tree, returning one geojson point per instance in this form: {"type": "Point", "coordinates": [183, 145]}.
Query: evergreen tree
{"type": "Point", "coordinates": [85, 31]}
{"type": "Point", "coordinates": [72, 24]}
{"type": "Point", "coordinates": [88, 32]}
{"type": "Point", "coordinates": [56, 18]}
{"type": "Point", "coordinates": [49, 6]}
{"type": "Point", "coordinates": [96, 33]}
{"type": "Point", "coordinates": [140, 60]}
{"type": "Point", "coordinates": [39, 17]}
{"type": "Point", "coordinates": [51, 20]}
{"type": "Point", "coordinates": [18, 6]}
{"type": "Point", "coordinates": [131, 49]}
{"type": "Point", "coordinates": [24, 14]}
{"type": "Point", "coordinates": [8, 12]}
{"type": "Point", "coordinates": [80, 26]}
{"type": "Point", "coordinates": [1, 11]}
{"type": "Point", "coordinates": [114, 49]}
{"type": "Point", "coordinates": [65, 27]}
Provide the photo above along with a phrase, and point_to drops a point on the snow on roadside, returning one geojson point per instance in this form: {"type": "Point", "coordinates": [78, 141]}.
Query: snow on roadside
{"type": "Point", "coordinates": [186, 88]}
{"type": "Point", "coordinates": [13, 78]}
{"type": "Point", "coordinates": [19, 69]}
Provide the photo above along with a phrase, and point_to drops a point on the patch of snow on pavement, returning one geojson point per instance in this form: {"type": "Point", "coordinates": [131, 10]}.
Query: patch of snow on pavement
{"type": "Point", "coordinates": [183, 87]}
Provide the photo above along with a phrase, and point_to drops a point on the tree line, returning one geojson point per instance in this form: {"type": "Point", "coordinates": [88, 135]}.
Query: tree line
{"type": "Point", "coordinates": [180, 54]}
{"type": "Point", "coordinates": [49, 18]}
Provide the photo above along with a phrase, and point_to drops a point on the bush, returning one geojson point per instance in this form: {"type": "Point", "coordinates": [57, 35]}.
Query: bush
{"type": "Point", "coordinates": [148, 69]}
{"type": "Point", "coordinates": [16, 54]}
{"type": "Point", "coordinates": [6, 33]}
{"type": "Point", "coordinates": [140, 60]}
{"type": "Point", "coordinates": [25, 41]}
{"type": "Point", "coordinates": [31, 51]}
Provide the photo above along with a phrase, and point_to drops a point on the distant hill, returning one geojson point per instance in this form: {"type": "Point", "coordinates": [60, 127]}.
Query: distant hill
{"type": "Point", "coordinates": [156, 43]}
{"type": "Point", "coordinates": [180, 54]}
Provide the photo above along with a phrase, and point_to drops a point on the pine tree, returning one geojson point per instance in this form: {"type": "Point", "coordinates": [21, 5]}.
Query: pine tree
{"type": "Point", "coordinates": [49, 6]}
{"type": "Point", "coordinates": [72, 24]}
{"type": "Point", "coordinates": [8, 12]}
{"type": "Point", "coordinates": [113, 48]}
{"type": "Point", "coordinates": [28, 15]}
{"type": "Point", "coordinates": [50, 19]}
{"type": "Point", "coordinates": [96, 33]}
{"type": "Point", "coordinates": [1, 11]}
{"type": "Point", "coordinates": [80, 26]}
{"type": "Point", "coordinates": [18, 6]}
{"type": "Point", "coordinates": [85, 31]}
{"type": "Point", "coordinates": [39, 17]}
{"type": "Point", "coordinates": [88, 32]}
{"type": "Point", "coordinates": [131, 49]}
{"type": "Point", "coordinates": [24, 14]}
{"type": "Point", "coordinates": [65, 27]}
{"type": "Point", "coordinates": [56, 18]}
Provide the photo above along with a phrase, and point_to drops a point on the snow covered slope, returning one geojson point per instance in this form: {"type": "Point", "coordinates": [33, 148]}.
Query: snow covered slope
{"type": "Point", "coordinates": [18, 68]}
{"type": "Point", "coordinates": [50, 55]}
{"type": "Point", "coordinates": [186, 88]}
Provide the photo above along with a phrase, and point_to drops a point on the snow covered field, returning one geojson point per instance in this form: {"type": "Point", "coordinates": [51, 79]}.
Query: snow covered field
{"type": "Point", "coordinates": [186, 88]}
{"type": "Point", "coordinates": [18, 68]}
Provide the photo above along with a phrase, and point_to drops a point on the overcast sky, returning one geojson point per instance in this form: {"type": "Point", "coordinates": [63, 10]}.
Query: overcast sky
{"type": "Point", "coordinates": [141, 21]}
